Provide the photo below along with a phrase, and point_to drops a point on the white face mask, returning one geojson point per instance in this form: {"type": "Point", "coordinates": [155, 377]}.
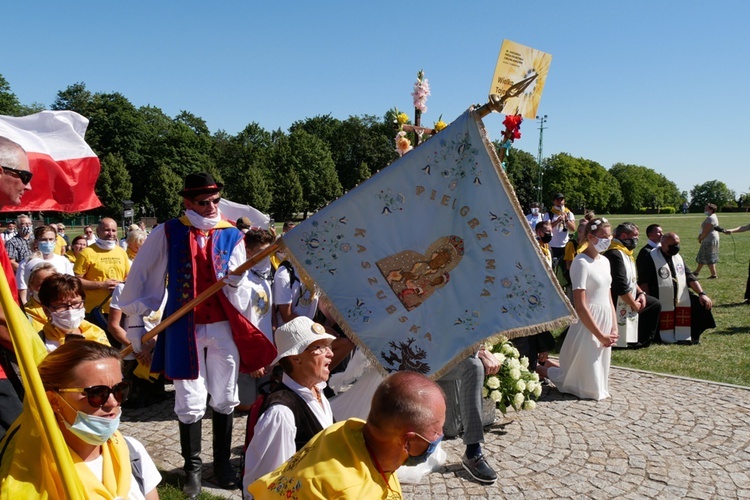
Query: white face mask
{"type": "Point", "coordinates": [69, 319]}
{"type": "Point", "coordinates": [602, 244]}
{"type": "Point", "coordinates": [202, 223]}
{"type": "Point", "coordinates": [106, 244]}
{"type": "Point", "coordinates": [707, 213]}
{"type": "Point", "coordinates": [534, 211]}
{"type": "Point", "coordinates": [92, 429]}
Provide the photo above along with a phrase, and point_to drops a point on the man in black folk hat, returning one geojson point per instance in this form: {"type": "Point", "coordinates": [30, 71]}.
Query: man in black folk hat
{"type": "Point", "coordinates": [202, 351]}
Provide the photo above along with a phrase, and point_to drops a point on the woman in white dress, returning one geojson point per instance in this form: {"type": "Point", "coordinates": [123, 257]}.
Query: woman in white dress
{"type": "Point", "coordinates": [585, 356]}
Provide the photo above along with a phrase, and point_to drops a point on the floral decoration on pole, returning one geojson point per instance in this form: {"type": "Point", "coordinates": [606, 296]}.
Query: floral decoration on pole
{"type": "Point", "coordinates": [512, 132]}
{"type": "Point", "coordinates": [420, 95]}
{"type": "Point", "coordinates": [514, 385]}
{"type": "Point", "coordinates": [417, 133]}
{"type": "Point", "coordinates": [403, 144]}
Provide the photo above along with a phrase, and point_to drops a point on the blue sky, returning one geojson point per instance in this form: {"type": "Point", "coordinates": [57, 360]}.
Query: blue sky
{"type": "Point", "coordinates": [658, 84]}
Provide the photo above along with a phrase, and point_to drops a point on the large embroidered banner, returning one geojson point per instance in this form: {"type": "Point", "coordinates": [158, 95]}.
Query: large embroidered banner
{"type": "Point", "coordinates": [431, 257]}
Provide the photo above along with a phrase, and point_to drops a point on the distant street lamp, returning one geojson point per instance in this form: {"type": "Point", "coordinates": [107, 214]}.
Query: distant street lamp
{"type": "Point", "coordinates": [542, 120]}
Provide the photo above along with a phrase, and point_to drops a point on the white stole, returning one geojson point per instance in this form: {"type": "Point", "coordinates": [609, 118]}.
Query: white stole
{"type": "Point", "coordinates": [674, 322]}
{"type": "Point", "coordinates": [627, 318]}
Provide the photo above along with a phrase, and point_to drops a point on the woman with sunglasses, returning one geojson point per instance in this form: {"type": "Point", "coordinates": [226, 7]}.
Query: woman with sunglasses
{"type": "Point", "coordinates": [62, 298]}
{"type": "Point", "coordinates": [88, 233]}
{"type": "Point", "coordinates": [84, 386]}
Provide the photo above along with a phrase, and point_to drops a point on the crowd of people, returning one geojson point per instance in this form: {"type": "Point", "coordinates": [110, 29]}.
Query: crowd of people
{"type": "Point", "coordinates": [623, 300]}
{"type": "Point", "coordinates": [264, 342]}
{"type": "Point", "coordinates": [91, 297]}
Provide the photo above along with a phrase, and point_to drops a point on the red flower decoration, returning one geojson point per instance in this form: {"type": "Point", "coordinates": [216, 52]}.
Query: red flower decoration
{"type": "Point", "coordinates": [512, 127]}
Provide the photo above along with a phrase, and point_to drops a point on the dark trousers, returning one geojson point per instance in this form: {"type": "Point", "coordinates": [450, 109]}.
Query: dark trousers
{"type": "Point", "coordinates": [648, 321]}
{"type": "Point", "coordinates": [532, 345]}
{"type": "Point", "coordinates": [747, 287]}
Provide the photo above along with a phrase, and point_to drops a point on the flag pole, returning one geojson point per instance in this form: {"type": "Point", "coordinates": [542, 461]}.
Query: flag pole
{"type": "Point", "coordinates": [203, 296]}
{"type": "Point", "coordinates": [36, 397]}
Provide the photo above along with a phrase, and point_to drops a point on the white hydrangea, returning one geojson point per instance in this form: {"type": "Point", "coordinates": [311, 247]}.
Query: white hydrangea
{"type": "Point", "coordinates": [493, 382]}
{"type": "Point", "coordinates": [514, 373]}
{"type": "Point", "coordinates": [496, 396]}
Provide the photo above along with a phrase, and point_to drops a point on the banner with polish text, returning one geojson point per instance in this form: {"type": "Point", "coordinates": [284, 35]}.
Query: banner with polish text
{"type": "Point", "coordinates": [65, 168]}
{"type": "Point", "coordinates": [431, 257]}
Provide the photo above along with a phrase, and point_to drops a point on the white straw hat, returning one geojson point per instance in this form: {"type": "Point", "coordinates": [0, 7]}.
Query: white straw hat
{"type": "Point", "coordinates": [297, 335]}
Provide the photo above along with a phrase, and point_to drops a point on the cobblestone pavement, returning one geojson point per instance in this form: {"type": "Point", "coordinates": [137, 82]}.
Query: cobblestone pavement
{"type": "Point", "coordinates": [656, 437]}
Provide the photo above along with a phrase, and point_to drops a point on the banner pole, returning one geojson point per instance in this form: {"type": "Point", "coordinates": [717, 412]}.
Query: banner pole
{"type": "Point", "coordinates": [203, 296]}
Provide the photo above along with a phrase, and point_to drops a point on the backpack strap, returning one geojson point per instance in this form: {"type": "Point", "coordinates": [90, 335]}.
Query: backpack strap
{"type": "Point", "coordinates": [290, 269]}
{"type": "Point", "coordinates": [135, 465]}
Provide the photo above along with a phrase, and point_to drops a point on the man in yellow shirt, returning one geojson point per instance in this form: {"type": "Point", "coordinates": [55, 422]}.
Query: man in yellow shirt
{"type": "Point", "coordinates": [357, 460]}
{"type": "Point", "coordinates": [102, 266]}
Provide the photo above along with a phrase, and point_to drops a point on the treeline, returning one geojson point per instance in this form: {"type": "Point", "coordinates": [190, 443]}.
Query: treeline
{"type": "Point", "coordinates": [145, 154]}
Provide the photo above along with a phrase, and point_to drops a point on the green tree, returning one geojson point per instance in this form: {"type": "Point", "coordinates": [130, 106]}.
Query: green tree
{"type": "Point", "coordinates": [311, 160]}
{"type": "Point", "coordinates": [715, 192]}
{"type": "Point", "coordinates": [287, 189]}
{"type": "Point", "coordinates": [113, 185]}
{"type": "Point", "coordinates": [75, 98]}
{"type": "Point", "coordinates": [243, 161]}
{"type": "Point", "coordinates": [643, 187]}
{"type": "Point", "coordinates": [168, 203]}
{"type": "Point", "coordinates": [585, 183]}
{"type": "Point", "coordinates": [9, 103]}
{"type": "Point", "coordinates": [523, 174]}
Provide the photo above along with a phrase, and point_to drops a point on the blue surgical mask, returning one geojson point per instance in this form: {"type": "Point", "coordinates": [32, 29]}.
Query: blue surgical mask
{"type": "Point", "coordinates": [420, 459]}
{"type": "Point", "coordinates": [92, 429]}
{"type": "Point", "coordinates": [46, 247]}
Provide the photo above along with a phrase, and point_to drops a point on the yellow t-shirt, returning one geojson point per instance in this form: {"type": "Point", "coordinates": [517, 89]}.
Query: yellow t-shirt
{"type": "Point", "coordinates": [60, 245]}
{"type": "Point", "coordinates": [334, 464]}
{"type": "Point", "coordinates": [56, 337]}
{"type": "Point", "coordinates": [95, 264]}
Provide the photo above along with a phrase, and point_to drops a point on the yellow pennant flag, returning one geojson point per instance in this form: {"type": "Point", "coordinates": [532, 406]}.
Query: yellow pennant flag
{"type": "Point", "coordinates": [36, 461]}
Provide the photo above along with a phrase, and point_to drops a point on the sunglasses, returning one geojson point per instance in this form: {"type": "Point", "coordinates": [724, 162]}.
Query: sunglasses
{"type": "Point", "coordinates": [206, 203]}
{"type": "Point", "coordinates": [24, 175]}
{"type": "Point", "coordinates": [98, 395]}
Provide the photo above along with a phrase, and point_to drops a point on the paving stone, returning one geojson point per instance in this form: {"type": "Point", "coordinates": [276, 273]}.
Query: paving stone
{"type": "Point", "coordinates": [644, 442]}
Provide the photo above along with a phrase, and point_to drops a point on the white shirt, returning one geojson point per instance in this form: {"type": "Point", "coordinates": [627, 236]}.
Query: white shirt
{"type": "Point", "coordinates": [145, 287]}
{"type": "Point", "coordinates": [304, 302]}
{"type": "Point", "coordinates": [261, 310]}
{"type": "Point", "coordinates": [151, 476]}
{"type": "Point", "coordinates": [62, 266]}
{"type": "Point", "coordinates": [273, 440]}
{"type": "Point", "coordinates": [533, 220]}
{"type": "Point", "coordinates": [560, 233]}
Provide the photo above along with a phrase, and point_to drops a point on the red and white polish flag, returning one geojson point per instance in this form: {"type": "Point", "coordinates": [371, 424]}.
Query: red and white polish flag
{"type": "Point", "coordinates": [65, 168]}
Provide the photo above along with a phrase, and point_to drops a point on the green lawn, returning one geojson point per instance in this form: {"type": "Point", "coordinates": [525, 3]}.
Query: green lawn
{"type": "Point", "coordinates": [724, 352]}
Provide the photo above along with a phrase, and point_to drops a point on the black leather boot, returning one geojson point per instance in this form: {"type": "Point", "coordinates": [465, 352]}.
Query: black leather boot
{"type": "Point", "coordinates": [225, 475]}
{"type": "Point", "coordinates": [190, 442]}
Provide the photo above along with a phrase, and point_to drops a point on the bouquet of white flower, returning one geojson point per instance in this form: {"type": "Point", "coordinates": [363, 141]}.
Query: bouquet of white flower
{"type": "Point", "coordinates": [514, 385]}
